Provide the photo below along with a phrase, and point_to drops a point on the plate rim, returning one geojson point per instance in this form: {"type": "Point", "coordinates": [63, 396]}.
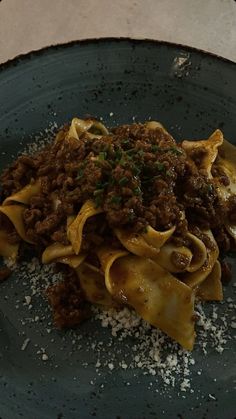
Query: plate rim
{"type": "Point", "coordinates": [27, 57]}
{"type": "Point", "coordinates": [12, 62]}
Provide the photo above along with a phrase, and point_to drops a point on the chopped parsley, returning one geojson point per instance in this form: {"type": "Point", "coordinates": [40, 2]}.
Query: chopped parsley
{"type": "Point", "coordinates": [131, 151]}
{"type": "Point", "coordinates": [131, 215]}
{"type": "Point", "coordinates": [175, 150]}
{"type": "Point", "coordinates": [98, 200]}
{"type": "Point", "coordinates": [118, 155]}
{"type": "Point", "coordinates": [209, 189]}
{"type": "Point", "coordinates": [126, 142]}
{"type": "Point", "coordinates": [116, 200]}
{"type": "Point", "coordinates": [98, 192]}
{"type": "Point", "coordinates": [80, 174]}
{"type": "Point", "coordinates": [155, 148]}
{"type": "Point", "coordinates": [101, 185]}
{"type": "Point", "coordinates": [159, 166]}
{"type": "Point", "coordinates": [102, 155]}
{"type": "Point", "coordinates": [123, 181]}
{"type": "Point", "coordinates": [136, 170]}
{"type": "Point", "coordinates": [137, 191]}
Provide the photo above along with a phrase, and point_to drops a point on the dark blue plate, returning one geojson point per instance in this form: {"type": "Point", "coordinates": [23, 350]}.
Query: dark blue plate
{"type": "Point", "coordinates": [191, 93]}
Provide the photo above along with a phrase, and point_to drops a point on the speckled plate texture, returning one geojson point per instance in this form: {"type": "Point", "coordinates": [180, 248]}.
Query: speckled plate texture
{"type": "Point", "coordinates": [191, 93]}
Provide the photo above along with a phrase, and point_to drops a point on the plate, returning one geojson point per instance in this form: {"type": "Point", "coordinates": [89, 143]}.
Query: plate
{"type": "Point", "coordinates": [49, 374]}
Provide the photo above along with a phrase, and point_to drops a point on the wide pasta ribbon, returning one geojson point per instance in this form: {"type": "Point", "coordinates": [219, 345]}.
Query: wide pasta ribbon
{"type": "Point", "coordinates": [57, 252]}
{"type": "Point", "coordinates": [75, 229]}
{"type": "Point", "coordinates": [165, 257]}
{"type": "Point", "coordinates": [191, 258]}
{"type": "Point", "coordinates": [92, 282]}
{"type": "Point", "coordinates": [199, 253]}
{"type": "Point", "coordinates": [8, 250]}
{"type": "Point", "coordinates": [194, 279]}
{"type": "Point", "coordinates": [209, 147]}
{"type": "Point", "coordinates": [24, 195]}
{"type": "Point", "coordinates": [13, 208]}
{"type": "Point", "coordinates": [226, 161]}
{"type": "Point", "coordinates": [157, 125]}
{"type": "Point", "coordinates": [211, 288]}
{"type": "Point", "coordinates": [156, 295]}
{"type": "Point", "coordinates": [144, 244]}
{"type": "Point", "coordinates": [92, 128]}
{"type": "Point", "coordinates": [14, 213]}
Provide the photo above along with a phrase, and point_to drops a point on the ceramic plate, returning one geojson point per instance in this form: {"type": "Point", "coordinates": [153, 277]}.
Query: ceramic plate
{"type": "Point", "coordinates": [119, 80]}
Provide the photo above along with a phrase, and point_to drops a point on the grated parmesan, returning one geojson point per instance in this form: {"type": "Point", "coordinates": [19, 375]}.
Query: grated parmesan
{"type": "Point", "coordinates": [133, 345]}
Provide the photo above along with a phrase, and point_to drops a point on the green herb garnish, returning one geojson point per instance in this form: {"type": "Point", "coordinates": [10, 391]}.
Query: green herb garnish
{"type": "Point", "coordinates": [137, 191]}
{"type": "Point", "coordinates": [123, 181]}
{"type": "Point", "coordinates": [209, 189]}
{"type": "Point", "coordinates": [98, 192]}
{"type": "Point", "coordinates": [159, 166]}
{"type": "Point", "coordinates": [175, 150]}
{"type": "Point", "coordinates": [145, 229]}
{"type": "Point", "coordinates": [118, 155]}
{"type": "Point", "coordinates": [136, 170]}
{"type": "Point", "coordinates": [125, 141]}
{"type": "Point", "coordinates": [131, 216]}
{"type": "Point", "coordinates": [131, 151]}
{"type": "Point", "coordinates": [102, 155]}
{"type": "Point", "coordinates": [140, 153]}
{"type": "Point", "coordinates": [98, 200]}
{"type": "Point", "coordinates": [101, 185]}
{"type": "Point", "coordinates": [122, 162]}
{"type": "Point", "coordinates": [116, 200]}
{"type": "Point", "coordinates": [80, 174]}
{"type": "Point", "coordinates": [155, 148]}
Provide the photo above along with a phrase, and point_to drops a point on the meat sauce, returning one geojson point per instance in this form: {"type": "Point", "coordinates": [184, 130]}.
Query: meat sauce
{"type": "Point", "coordinates": [139, 177]}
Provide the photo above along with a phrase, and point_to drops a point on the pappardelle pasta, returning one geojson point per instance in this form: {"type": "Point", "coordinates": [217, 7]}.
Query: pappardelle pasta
{"type": "Point", "coordinates": [131, 218]}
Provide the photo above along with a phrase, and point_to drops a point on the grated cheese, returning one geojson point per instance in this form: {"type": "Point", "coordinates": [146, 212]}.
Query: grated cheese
{"type": "Point", "coordinates": [140, 346]}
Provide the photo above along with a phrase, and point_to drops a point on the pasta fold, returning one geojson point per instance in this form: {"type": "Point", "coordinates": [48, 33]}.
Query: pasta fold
{"type": "Point", "coordinates": [24, 195]}
{"type": "Point", "coordinates": [209, 148]}
{"type": "Point", "coordinates": [194, 279]}
{"type": "Point", "coordinates": [211, 288]}
{"type": "Point", "coordinates": [14, 213]}
{"type": "Point", "coordinates": [8, 250]}
{"type": "Point", "coordinates": [58, 252]}
{"type": "Point", "coordinates": [146, 244]}
{"type": "Point", "coordinates": [92, 282]}
{"type": "Point", "coordinates": [92, 128]}
{"type": "Point", "coordinates": [156, 295]}
{"type": "Point", "coordinates": [75, 229]}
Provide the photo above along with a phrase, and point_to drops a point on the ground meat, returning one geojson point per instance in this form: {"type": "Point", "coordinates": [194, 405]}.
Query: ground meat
{"type": "Point", "coordinates": [12, 235]}
{"type": "Point", "coordinates": [223, 239]}
{"type": "Point", "coordinates": [67, 301]}
{"type": "Point", "coordinates": [4, 273]}
{"type": "Point", "coordinates": [138, 175]}
{"type": "Point", "coordinates": [60, 236]}
{"type": "Point", "coordinates": [232, 209]}
{"type": "Point", "coordinates": [226, 273]}
{"type": "Point", "coordinates": [218, 172]}
{"type": "Point", "coordinates": [179, 260]}
{"type": "Point", "coordinates": [209, 243]}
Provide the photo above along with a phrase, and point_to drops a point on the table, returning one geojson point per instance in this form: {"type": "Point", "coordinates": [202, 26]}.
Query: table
{"type": "Point", "coordinates": [26, 25]}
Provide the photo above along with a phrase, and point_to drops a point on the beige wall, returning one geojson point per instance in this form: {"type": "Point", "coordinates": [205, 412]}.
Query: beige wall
{"type": "Point", "coordinates": [31, 24]}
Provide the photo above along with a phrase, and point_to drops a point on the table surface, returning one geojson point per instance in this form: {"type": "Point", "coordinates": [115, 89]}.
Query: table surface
{"type": "Point", "coordinates": [26, 25]}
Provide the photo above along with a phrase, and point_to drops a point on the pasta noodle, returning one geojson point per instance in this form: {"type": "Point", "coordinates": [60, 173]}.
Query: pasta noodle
{"type": "Point", "coordinates": [134, 218]}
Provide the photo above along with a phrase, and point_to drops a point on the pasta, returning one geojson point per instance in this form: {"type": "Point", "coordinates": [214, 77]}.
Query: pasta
{"type": "Point", "coordinates": [130, 217]}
